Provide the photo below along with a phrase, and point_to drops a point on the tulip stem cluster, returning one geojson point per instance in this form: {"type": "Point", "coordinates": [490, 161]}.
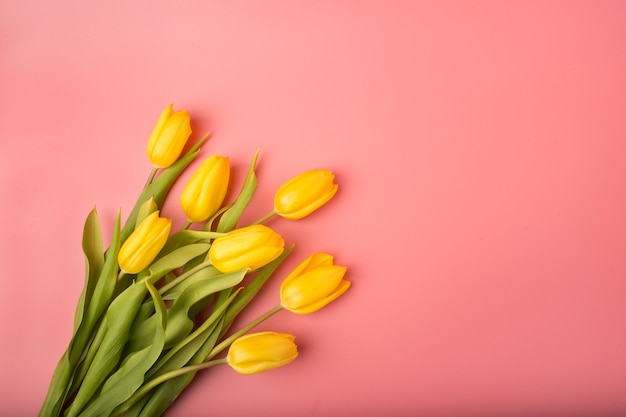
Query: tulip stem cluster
{"type": "Point", "coordinates": [157, 304]}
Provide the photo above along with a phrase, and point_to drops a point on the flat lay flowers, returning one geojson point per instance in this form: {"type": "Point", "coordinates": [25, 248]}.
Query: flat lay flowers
{"type": "Point", "coordinates": [159, 305]}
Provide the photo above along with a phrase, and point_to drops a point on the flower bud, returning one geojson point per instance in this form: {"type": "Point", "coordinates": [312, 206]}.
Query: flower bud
{"type": "Point", "coordinates": [305, 193]}
{"type": "Point", "coordinates": [168, 137]}
{"type": "Point", "coordinates": [205, 192]}
{"type": "Point", "coordinates": [144, 244]}
{"type": "Point", "coordinates": [249, 247]}
{"type": "Point", "coordinates": [313, 284]}
{"type": "Point", "coordinates": [258, 352]}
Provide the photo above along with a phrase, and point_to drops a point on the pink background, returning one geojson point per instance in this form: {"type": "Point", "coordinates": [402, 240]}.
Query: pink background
{"type": "Point", "coordinates": [480, 151]}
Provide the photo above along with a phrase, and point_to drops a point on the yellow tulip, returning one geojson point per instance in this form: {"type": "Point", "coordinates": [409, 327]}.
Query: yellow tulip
{"type": "Point", "coordinates": [249, 247]}
{"type": "Point", "coordinates": [305, 193]}
{"type": "Point", "coordinates": [258, 352]}
{"type": "Point", "coordinates": [205, 192]}
{"type": "Point", "coordinates": [168, 137]}
{"type": "Point", "coordinates": [313, 284]}
{"type": "Point", "coordinates": [144, 244]}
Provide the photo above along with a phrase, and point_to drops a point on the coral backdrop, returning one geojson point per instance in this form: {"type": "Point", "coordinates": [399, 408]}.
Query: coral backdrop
{"type": "Point", "coordinates": [479, 147]}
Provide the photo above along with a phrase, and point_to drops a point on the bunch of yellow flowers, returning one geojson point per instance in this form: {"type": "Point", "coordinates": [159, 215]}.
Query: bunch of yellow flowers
{"type": "Point", "coordinates": [138, 338]}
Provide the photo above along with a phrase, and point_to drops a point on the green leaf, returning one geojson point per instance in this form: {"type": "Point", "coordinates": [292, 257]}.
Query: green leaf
{"type": "Point", "coordinates": [176, 358]}
{"type": "Point", "coordinates": [165, 394]}
{"type": "Point", "coordinates": [85, 363]}
{"type": "Point", "coordinates": [103, 294]}
{"type": "Point", "coordinates": [94, 259]}
{"type": "Point", "coordinates": [229, 220]}
{"type": "Point", "coordinates": [145, 210]}
{"type": "Point", "coordinates": [200, 275]}
{"type": "Point", "coordinates": [180, 354]}
{"type": "Point", "coordinates": [130, 375]}
{"type": "Point", "coordinates": [63, 377]}
{"type": "Point", "coordinates": [120, 317]}
{"type": "Point", "coordinates": [190, 302]}
{"type": "Point", "coordinates": [177, 258]}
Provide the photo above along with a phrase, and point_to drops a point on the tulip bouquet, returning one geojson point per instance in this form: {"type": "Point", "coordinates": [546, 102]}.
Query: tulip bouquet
{"type": "Point", "coordinates": [157, 305]}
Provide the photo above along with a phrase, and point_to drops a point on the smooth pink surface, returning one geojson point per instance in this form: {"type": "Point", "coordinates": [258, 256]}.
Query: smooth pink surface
{"type": "Point", "coordinates": [480, 149]}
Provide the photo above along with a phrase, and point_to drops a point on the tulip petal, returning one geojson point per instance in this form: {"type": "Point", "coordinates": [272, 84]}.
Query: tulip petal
{"type": "Point", "coordinates": [158, 128]}
{"type": "Point", "coordinates": [311, 286]}
{"type": "Point", "coordinates": [144, 243]}
{"type": "Point", "coordinates": [205, 191]}
{"type": "Point", "coordinates": [313, 307]}
{"type": "Point", "coordinates": [312, 262]}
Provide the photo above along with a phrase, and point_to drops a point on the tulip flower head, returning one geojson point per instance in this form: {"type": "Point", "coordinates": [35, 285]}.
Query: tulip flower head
{"type": "Point", "coordinates": [168, 137]}
{"type": "Point", "coordinates": [249, 247]}
{"type": "Point", "coordinates": [144, 244]}
{"type": "Point", "coordinates": [205, 192]}
{"type": "Point", "coordinates": [258, 352]}
{"type": "Point", "coordinates": [313, 284]}
{"type": "Point", "coordinates": [305, 193]}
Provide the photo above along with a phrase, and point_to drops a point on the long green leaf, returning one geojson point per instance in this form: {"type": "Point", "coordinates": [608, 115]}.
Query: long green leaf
{"type": "Point", "coordinates": [202, 274]}
{"type": "Point", "coordinates": [120, 317]}
{"type": "Point", "coordinates": [103, 288]}
{"type": "Point", "coordinates": [178, 257]}
{"type": "Point", "coordinates": [87, 360]}
{"type": "Point", "coordinates": [230, 218]}
{"type": "Point", "coordinates": [94, 259]}
{"type": "Point", "coordinates": [177, 357]}
{"type": "Point", "coordinates": [180, 316]}
{"type": "Point", "coordinates": [188, 304]}
{"type": "Point", "coordinates": [130, 375]}
{"type": "Point", "coordinates": [165, 394]}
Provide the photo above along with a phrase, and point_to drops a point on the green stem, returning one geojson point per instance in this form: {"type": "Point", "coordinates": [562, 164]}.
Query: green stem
{"type": "Point", "coordinates": [151, 176]}
{"type": "Point", "coordinates": [227, 342]}
{"type": "Point", "coordinates": [164, 378]}
{"type": "Point", "coordinates": [182, 277]}
{"type": "Point", "coordinates": [266, 217]}
{"type": "Point", "coordinates": [186, 226]}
